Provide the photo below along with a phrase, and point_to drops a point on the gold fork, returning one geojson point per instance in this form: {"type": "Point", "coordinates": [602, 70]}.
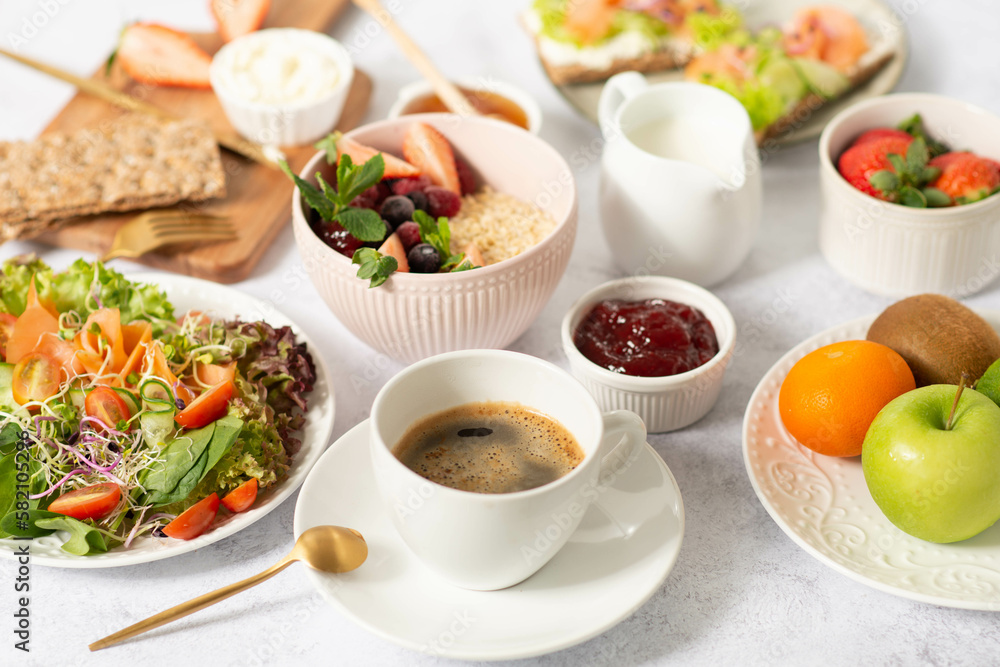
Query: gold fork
{"type": "Point", "coordinates": [155, 229]}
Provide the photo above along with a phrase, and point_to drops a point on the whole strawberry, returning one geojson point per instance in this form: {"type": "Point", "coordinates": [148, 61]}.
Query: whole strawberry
{"type": "Point", "coordinates": [966, 177]}
{"type": "Point", "coordinates": [859, 162]}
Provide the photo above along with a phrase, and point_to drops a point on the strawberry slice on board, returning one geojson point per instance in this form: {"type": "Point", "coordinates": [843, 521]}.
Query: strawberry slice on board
{"type": "Point", "coordinates": [236, 18]}
{"type": "Point", "coordinates": [430, 152]}
{"type": "Point", "coordinates": [394, 167]}
{"type": "Point", "coordinates": [158, 55]}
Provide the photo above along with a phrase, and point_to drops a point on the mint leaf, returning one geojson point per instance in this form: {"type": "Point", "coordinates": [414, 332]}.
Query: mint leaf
{"type": "Point", "coordinates": [329, 144]}
{"type": "Point", "coordinates": [438, 234]}
{"type": "Point", "coordinates": [362, 223]}
{"type": "Point", "coordinates": [374, 266]}
{"type": "Point", "coordinates": [464, 265]}
{"type": "Point", "coordinates": [363, 178]}
{"type": "Point", "coordinates": [328, 190]}
{"type": "Point", "coordinates": [345, 179]}
{"type": "Point", "coordinates": [313, 197]}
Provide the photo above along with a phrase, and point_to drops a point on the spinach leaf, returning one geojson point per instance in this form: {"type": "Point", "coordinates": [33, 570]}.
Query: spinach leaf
{"type": "Point", "coordinates": [187, 460]}
{"type": "Point", "coordinates": [10, 520]}
{"type": "Point", "coordinates": [83, 538]}
{"type": "Point", "coordinates": [9, 435]}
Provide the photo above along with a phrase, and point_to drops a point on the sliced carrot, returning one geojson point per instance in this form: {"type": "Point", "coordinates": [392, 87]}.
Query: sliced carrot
{"type": "Point", "coordinates": [35, 321]}
{"type": "Point", "coordinates": [135, 337]}
{"type": "Point", "coordinates": [161, 369]}
{"type": "Point", "coordinates": [213, 374]}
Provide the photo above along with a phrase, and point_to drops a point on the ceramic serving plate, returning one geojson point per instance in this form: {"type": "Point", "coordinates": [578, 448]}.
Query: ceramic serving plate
{"type": "Point", "coordinates": [216, 301]}
{"type": "Point", "coordinates": [877, 17]}
{"type": "Point", "coordinates": [823, 504]}
{"type": "Point", "coordinates": [625, 547]}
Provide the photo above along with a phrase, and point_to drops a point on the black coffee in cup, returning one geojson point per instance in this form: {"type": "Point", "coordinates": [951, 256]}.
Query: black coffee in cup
{"type": "Point", "coordinates": [489, 447]}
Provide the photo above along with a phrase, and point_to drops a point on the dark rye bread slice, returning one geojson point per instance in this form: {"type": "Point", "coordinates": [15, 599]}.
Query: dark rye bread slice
{"type": "Point", "coordinates": [812, 102]}
{"type": "Point", "coordinates": [137, 162]}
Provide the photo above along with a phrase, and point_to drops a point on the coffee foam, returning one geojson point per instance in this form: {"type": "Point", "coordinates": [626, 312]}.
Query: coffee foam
{"type": "Point", "coordinates": [524, 450]}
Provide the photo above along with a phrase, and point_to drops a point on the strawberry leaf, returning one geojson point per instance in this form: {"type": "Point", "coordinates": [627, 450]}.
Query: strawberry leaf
{"type": "Point", "coordinates": [897, 162]}
{"type": "Point", "coordinates": [917, 156]}
{"type": "Point", "coordinates": [884, 180]}
{"type": "Point", "coordinates": [915, 127]}
{"type": "Point", "coordinates": [912, 197]}
{"type": "Point", "coordinates": [936, 198]}
{"type": "Point", "coordinates": [361, 223]}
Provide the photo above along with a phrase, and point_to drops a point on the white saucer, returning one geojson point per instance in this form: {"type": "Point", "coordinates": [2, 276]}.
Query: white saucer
{"type": "Point", "coordinates": [624, 549]}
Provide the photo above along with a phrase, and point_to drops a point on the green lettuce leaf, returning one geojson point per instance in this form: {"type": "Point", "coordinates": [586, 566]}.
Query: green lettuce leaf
{"type": "Point", "coordinates": [83, 287]}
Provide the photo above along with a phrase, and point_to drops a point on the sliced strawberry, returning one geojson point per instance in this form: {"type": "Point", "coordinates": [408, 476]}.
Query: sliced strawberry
{"type": "Point", "coordinates": [473, 255]}
{"type": "Point", "coordinates": [393, 247]}
{"type": "Point", "coordinates": [859, 162]}
{"type": "Point", "coordinates": [394, 167]}
{"type": "Point", "coordinates": [881, 133]}
{"type": "Point", "coordinates": [161, 56]}
{"type": "Point", "coordinates": [236, 18]}
{"type": "Point", "coordinates": [966, 177]}
{"type": "Point", "coordinates": [427, 148]}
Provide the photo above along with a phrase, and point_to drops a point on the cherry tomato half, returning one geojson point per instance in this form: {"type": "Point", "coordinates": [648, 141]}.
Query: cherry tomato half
{"type": "Point", "coordinates": [208, 407]}
{"type": "Point", "coordinates": [6, 329]}
{"type": "Point", "coordinates": [105, 404]}
{"type": "Point", "coordinates": [195, 519]}
{"type": "Point", "coordinates": [91, 502]}
{"type": "Point", "coordinates": [241, 498]}
{"type": "Point", "coordinates": [36, 378]}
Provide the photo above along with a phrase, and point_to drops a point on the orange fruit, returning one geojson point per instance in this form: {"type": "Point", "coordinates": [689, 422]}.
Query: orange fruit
{"type": "Point", "coordinates": [830, 397]}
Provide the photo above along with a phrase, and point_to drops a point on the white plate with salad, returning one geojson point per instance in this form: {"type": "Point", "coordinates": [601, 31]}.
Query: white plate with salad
{"type": "Point", "coordinates": [155, 416]}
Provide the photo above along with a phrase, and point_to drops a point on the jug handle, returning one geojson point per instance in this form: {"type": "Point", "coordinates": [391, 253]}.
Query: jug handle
{"type": "Point", "coordinates": [617, 90]}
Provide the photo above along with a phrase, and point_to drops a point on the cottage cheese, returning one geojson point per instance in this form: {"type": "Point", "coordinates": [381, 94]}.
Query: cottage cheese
{"type": "Point", "coordinates": [279, 68]}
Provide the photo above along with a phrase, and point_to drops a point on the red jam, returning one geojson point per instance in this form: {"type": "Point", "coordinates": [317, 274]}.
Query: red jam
{"type": "Point", "coordinates": [650, 338]}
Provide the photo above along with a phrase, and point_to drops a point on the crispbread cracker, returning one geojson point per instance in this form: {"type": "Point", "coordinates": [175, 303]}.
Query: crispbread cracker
{"type": "Point", "coordinates": [136, 162]}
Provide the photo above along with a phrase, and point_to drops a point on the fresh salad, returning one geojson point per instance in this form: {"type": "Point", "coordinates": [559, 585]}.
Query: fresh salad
{"type": "Point", "coordinates": [119, 419]}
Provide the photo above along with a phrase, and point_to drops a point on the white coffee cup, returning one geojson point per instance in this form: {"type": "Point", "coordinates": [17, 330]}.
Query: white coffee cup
{"type": "Point", "coordinates": [491, 541]}
{"type": "Point", "coordinates": [680, 179]}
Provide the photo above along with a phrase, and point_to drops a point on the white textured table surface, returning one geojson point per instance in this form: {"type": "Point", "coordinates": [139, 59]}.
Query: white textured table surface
{"type": "Point", "coordinates": [741, 593]}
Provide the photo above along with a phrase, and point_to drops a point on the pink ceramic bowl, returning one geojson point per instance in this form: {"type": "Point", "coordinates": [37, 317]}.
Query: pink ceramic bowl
{"type": "Point", "coordinates": [413, 316]}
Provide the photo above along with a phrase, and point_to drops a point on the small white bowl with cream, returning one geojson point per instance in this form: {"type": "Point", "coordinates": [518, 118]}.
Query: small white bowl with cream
{"type": "Point", "coordinates": [282, 86]}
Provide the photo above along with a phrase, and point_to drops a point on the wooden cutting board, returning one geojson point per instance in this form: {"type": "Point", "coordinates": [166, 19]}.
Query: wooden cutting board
{"type": "Point", "coordinates": [258, 199]}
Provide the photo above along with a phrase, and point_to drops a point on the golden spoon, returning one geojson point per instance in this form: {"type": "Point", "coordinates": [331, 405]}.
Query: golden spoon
{"type": "Point", "coordinates": [324, 548]}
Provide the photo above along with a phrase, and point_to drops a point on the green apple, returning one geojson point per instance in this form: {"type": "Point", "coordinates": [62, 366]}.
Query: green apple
{"type": "Point", "coordinates": [937, 483]}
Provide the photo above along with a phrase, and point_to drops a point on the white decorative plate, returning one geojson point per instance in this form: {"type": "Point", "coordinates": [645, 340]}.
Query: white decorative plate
{"type": "Point", "coordinates": [823, 504]}
{"type": "Point", "coordinates": [218, 301]}
{"type": "Point", "coordinates": [625, 547]}
{"type": "Point", "coordinates": [878, 18]}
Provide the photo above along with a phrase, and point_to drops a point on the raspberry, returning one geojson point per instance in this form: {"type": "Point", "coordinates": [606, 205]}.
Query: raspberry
{"type": "Point", "coordinates": [405, 186]}
{"type": "Point", "coordinates": [465, 176]}
{"type": "Point", "coordinates": [442, 202]}
{"type": "Point", "coordinates": [409, 234]}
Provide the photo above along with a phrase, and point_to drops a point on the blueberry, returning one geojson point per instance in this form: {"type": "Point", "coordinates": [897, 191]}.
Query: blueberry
{"type": "Point", "coordinates": [397, 210]}
{"type": "Point", "coordinates": [419, 200]}
{"type": "Point", "coordinates": [423, 258]}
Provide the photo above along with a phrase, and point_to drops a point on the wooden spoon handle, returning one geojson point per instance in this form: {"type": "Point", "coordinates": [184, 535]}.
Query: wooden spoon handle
{"type": "Point", "coordinates": [191, 606]}
{"type": "Point", "coordinates": [449, 94]}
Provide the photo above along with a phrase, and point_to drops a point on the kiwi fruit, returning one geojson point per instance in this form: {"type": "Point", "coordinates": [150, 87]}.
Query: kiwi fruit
{"type": "Point", "coordinates": [939, 338]}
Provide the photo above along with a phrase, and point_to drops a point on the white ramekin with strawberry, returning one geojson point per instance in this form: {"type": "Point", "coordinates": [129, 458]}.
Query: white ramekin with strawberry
{"type": "Point", "coordinates": [909, 185]}
{"type": "Point", "coordinates": [904, 165]}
